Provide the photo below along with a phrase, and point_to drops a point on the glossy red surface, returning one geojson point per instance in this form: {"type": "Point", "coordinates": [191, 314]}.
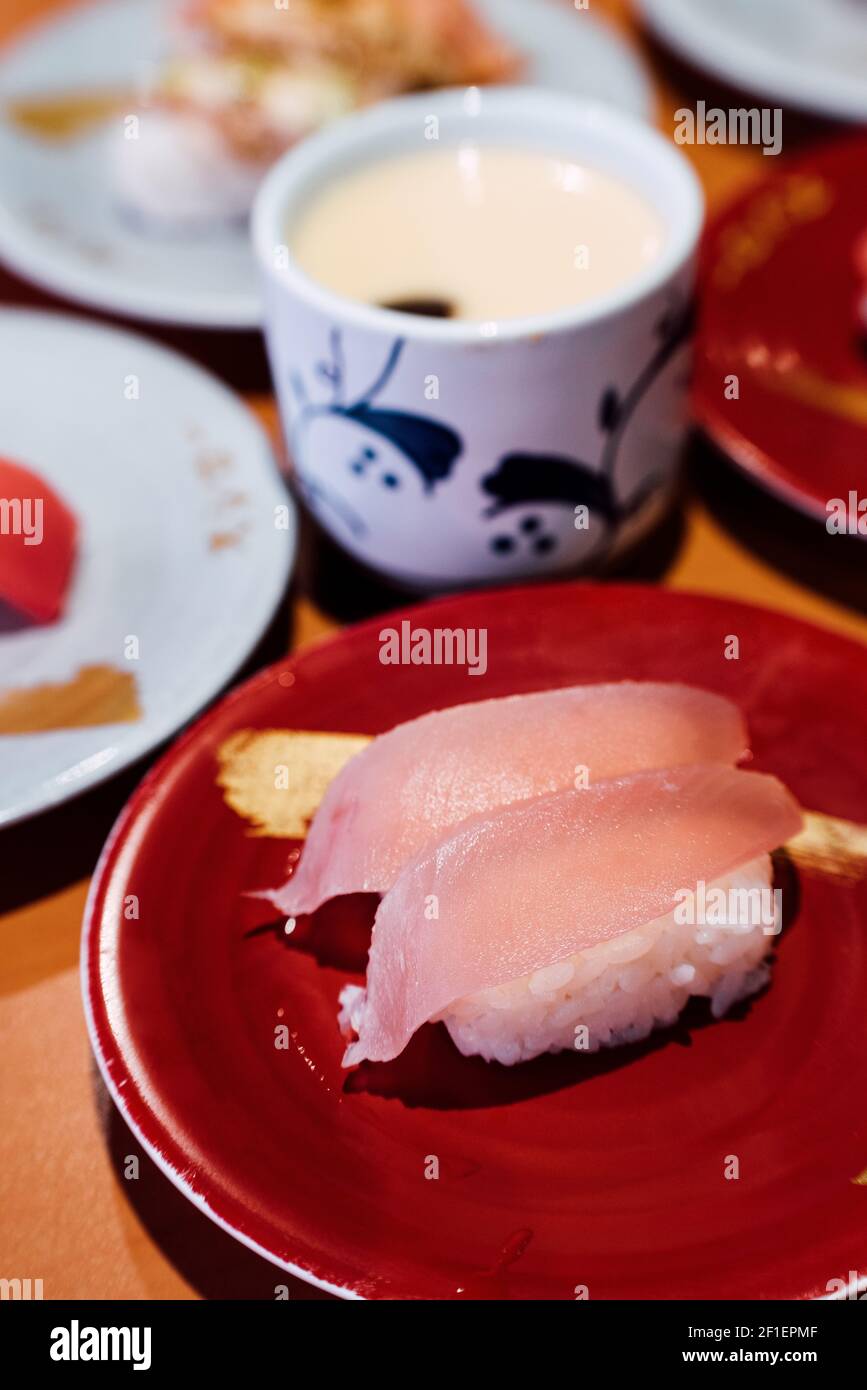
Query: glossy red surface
{"type": "Point", "coordinates": [603, 1171]}
{"type": "Point", "coordinates": [782, 280]}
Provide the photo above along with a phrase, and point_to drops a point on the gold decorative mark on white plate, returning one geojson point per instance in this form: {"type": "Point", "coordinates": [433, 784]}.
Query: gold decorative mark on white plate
{"type": "Point", "coordinates": [94, 695]}
{"type": "Point", "coordinates": [61, 116]}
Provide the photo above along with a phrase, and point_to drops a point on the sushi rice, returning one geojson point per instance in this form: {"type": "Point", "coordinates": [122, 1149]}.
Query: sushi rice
{"type": "Point", "coordinates": [618, 990]}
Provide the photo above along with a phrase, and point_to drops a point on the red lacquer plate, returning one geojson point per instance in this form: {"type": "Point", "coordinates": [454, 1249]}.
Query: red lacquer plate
{"type": "Point", "coordinates": [606, 1172]}
{"type": "Point", "coordinates": [784, 310]}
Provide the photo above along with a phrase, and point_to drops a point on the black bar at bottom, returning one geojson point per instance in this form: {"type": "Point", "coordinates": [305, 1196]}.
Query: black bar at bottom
{"type": "Point", "coordinates": [66, 1338]}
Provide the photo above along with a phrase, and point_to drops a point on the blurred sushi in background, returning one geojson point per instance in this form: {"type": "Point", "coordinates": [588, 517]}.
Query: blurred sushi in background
{"type": "Point", "coordinates": [39, 533]}
{"type": "Point", "coordinates": [246, 79]}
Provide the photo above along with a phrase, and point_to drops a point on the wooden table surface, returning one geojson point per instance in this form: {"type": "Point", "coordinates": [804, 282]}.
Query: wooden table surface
{"type": "Point", "coordinates": [67, 1215]}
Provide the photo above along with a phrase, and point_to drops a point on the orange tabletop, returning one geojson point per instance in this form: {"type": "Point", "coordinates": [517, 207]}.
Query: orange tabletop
{"type": "Point", "coordinates": [68, 1216]}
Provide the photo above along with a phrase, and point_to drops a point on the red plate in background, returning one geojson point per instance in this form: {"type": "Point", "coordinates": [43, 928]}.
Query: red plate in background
{"type": "Point", "coordinates": [783, 298]}
{"type": "Point", "coordinates": [605, 1171]}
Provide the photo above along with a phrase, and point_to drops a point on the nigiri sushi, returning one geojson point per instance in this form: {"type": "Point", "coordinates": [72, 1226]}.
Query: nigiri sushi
{"type": "Point", "coordinates": [557, 922]}
{"type": "Point", "coordinates": [412, 784]}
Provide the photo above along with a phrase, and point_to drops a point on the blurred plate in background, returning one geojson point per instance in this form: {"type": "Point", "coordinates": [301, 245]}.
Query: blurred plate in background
{"type": "Point", "coordinates": [180, 565]}
{"type": "Point", "coordinates": [784, 280]}
{"type": "Point", "coordinates": [60, 225]}
{"type": "Point", "coordinates": [809, 54]}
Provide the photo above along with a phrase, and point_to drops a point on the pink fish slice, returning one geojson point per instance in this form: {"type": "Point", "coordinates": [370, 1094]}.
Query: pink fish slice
{"type": "Point", "coordinates": [423, 777]}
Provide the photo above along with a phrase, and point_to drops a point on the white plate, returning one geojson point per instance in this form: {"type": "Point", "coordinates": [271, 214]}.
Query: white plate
{"type": "Point", "coordinates": [175, 495]}
{"type": "Point", "coordinates": [808, 54]}
{"type": "Point", "coordinates": [59, 223]}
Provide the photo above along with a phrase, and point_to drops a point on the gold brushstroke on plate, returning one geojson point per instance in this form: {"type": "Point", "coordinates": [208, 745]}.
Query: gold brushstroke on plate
{"type": "Point", "coordinates": [226, 540]}
{"type": "Point", "coordinates": [831, 846]}
{"type": "Point", "coordinates": [846, 400]}
{"type": "Point", "coordinates": [211, 463]}
{"type": "Point", "coordinates": [276, 778]}
{"type": "Point", "coordinates": [748, 243]}
{"type": "Point", "coordinates": [94, 695]}
{"type": "Point", "coordinates": [62, 116]}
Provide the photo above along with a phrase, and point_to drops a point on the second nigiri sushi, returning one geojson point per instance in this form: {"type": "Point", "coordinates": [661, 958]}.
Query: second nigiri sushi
{"type": "Point", "coordinates": [554, 923]}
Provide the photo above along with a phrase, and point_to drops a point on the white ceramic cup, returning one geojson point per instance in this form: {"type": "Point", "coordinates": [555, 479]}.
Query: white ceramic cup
{"type": "Point", "coordinates": [444, 452]}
